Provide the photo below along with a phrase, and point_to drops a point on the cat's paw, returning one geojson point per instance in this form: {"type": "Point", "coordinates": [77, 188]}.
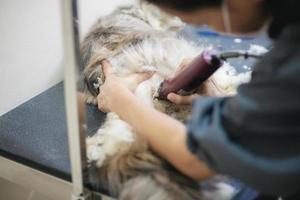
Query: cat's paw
{"type": "Point", "coordinates": [95, 150]}
{"type": "Point", "coordinates": [96, 153]}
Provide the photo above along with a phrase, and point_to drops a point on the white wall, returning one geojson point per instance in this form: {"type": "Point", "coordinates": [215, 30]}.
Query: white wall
{"type": "Point", "coordinates": [30, 51]}
{"type": "Point", "coordinates": [31, 45]}
{"type": "Point", "coordinates": [90, 10]}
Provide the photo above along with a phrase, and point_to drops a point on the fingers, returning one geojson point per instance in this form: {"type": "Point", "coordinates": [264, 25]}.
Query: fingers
{"type": "Point", "coordinates": [135, 79]}
{"type": "Point", "coordinates": [101, 108]}
{"type": "Point", "coordinates": [181, 100]}
{"type": "Point", "coordinates": [220, 90]}
{"type": "Point", "coordinates": [211, 88]}
{"type": "Point", "coordinates": [102, 104]}
{"type": "Point", "coordinates": [106, 68]}
{"type": "Point", "coordinates": [141, 77]}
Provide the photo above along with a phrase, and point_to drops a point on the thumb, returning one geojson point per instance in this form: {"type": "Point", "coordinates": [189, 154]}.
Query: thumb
{"type": "Point", "coordinates": [141, 77]}
{"type": "Point", "coordinates": [106, 68]}
{"type": "Point", "coordinates": [181, 100]}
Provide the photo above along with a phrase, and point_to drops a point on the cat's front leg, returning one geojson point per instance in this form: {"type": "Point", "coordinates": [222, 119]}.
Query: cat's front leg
{"type": "Point", "coordinates": [114, 136]}
{"type": "Point", "coordinates": [94, 148]}
{"type": "Point", "coordinates": [146, 90]}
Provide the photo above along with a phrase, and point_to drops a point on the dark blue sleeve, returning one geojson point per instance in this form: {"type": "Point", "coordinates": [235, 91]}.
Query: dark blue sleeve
{"type": "Point", "coordinates": [255, 135]}
{"type": "Point", "coordinates": [234, 153]}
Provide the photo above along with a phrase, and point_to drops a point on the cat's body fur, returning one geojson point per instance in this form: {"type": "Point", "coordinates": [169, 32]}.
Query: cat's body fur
{"type": "Point", "coordinates": [134, 42]}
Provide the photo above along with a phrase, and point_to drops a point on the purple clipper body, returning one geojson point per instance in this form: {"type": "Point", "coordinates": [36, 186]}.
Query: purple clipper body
{"type": "Point", "coordinates": [198, 71]}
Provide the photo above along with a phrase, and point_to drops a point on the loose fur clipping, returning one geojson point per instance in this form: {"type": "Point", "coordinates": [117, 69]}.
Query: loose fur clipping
{"type": "Point", "coordinates": [136, 38]}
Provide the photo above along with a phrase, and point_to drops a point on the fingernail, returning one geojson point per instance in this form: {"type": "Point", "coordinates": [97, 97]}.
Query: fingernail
{"type": "Point", "coordinates": [170, 96]}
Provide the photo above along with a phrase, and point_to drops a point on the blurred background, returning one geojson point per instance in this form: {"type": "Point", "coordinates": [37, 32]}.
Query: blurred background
{"type": "Point", "coordinates": [31, 45]}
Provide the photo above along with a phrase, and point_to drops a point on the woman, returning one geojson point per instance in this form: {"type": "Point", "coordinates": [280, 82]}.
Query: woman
{"type": "Point", "coordinates": [253, 136]}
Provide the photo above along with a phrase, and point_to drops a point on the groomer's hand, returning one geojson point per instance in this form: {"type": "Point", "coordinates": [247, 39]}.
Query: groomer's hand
{"type": "Point", "coordinates": [208, 88]}
{"type": "Point", "coordinates": [116, 88]}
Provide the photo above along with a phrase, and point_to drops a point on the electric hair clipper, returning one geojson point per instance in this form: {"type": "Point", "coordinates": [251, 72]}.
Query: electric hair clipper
{"type": "Point", "coordinates": [198, 71]}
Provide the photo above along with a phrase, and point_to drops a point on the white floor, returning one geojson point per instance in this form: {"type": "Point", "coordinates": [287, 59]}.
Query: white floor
{"type": "Point", "coordinates": [11, 191]}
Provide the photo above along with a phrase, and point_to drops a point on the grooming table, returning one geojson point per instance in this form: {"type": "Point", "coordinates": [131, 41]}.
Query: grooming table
{"type": "Point", "coordinates": [35, 133]}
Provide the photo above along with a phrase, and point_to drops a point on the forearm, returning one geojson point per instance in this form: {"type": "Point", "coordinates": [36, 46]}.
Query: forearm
{"type": "Point", "coordinates": [165, 135]}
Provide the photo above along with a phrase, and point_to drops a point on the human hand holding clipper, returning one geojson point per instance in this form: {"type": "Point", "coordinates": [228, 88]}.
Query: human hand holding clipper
{"type": "Point", "coordinates": [195, 74]}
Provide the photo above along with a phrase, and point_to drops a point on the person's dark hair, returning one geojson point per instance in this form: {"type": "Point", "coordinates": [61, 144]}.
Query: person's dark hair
{"type": "Point", "coordinates": [283, 12]}
{"type": "Point", "coordinates": [186, 4]}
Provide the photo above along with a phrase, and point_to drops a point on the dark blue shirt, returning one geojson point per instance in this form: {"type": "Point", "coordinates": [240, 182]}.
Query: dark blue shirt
{"type": "Point", "coordinates": [255, 135]}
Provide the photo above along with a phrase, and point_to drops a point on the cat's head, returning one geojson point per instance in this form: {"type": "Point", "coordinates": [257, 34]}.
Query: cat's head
{"type": "Point", "coordinates": [93, 78]}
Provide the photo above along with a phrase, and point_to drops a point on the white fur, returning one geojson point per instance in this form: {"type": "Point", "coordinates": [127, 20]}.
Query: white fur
{"type": "Point", "coordinates": [115, 135]}
{"type": "Point", "coordinates": [223, 191]}
{"type": "Point", "coordinates": [228, 78]}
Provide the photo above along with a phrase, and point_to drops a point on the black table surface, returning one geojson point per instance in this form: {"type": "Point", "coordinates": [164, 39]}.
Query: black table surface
{"type": "Point", "coordinates": [35, 133]}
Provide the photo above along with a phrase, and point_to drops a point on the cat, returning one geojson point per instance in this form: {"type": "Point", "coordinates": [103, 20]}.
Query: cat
{"type": "Point", "coordinates": [136, 38]}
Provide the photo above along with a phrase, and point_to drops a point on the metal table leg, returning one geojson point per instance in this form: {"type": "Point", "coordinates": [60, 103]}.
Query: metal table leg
{"type": "Point", "coordinates": [75, 117]}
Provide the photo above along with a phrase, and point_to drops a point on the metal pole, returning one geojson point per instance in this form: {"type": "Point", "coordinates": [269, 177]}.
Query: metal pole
{"type": "Point", "coordinates": [76, 134]}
